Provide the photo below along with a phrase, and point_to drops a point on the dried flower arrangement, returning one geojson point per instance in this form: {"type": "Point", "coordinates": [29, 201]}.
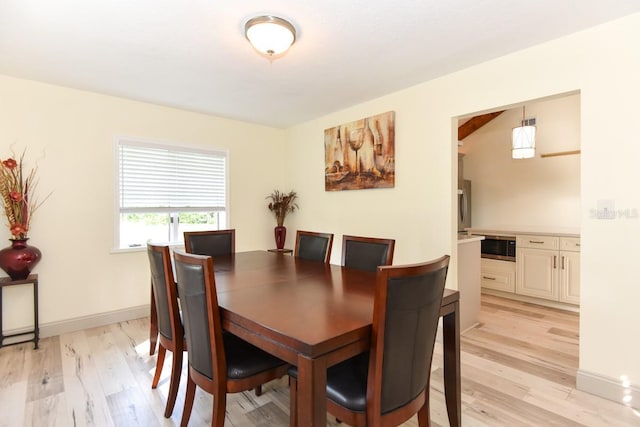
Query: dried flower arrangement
{"type": "Point", "coordinates": [16, 191]}
{"type": "Point", "coordinates": [281, 204]}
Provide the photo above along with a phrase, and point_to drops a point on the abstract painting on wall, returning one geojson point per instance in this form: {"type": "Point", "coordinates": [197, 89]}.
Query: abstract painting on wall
{"type": "Point", "coordinates": [360, 154]}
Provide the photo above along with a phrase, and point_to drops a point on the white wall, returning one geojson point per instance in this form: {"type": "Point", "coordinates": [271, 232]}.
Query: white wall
{"type": "Point", "coordinates": [603, 64]}
{"type": "Point", "coordinates": [538, 192]}
{"type": "Point", "coordinates": [71, 135]}
{"type": "Point", "coordinates": [416, 212]}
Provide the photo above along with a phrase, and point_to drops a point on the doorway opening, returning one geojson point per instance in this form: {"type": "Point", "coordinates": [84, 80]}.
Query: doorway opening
{"type": "Point", "coordinates": [532, 200]}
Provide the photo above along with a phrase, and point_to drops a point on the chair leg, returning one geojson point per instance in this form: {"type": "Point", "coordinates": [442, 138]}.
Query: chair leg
{"type": "Point", "coordinates": [188, 402]}
{"type": "Point", "coordinates": [152, 343]}
{"type": "Point", "coordinates": [293, 402]}
{"type": "Point", "coordinates": [159, 364]}
{"type": "Point", "coordinates": [153, 324]}
{"type": "Point", "coordinates": [219, 409]}
{"type": "Point", "coordinates": [176, 369]}
{"type": "Point", "coordinates": [258, 390]}
{"type": "Point", "coordinates": [424, 419]}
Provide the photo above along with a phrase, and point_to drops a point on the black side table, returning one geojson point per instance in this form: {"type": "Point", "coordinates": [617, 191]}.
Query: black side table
{"type": "Point", "coordinates": [6, 281]}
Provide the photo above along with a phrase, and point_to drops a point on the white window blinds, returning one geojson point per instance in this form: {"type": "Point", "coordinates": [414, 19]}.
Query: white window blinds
{"type": "Point", "coordinates": [156, 178]}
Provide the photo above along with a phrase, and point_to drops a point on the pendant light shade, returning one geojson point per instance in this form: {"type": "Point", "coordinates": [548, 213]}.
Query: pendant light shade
{"type": "Point", "coordinates": [523, 141]}
{"type": "Point", "coordinates": [269, 34]}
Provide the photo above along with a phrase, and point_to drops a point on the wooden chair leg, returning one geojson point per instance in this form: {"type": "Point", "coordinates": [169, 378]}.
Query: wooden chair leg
{"type": "Point", "coordinates": [293, 402]}
{"type": "Point", "coordinates": [258, 390]}
{"type": "Point", "coordinates": [176, 369]}
{"type": "Point", "coordinates": [159, 364]}
{"type": "Point", "coordinates": [424, 419]}
{"type": "Point", "coordinates": [153, 325]}
{"type": "Point", "coordinates": [219, 409]}
{"type": "Point", "coordinates": [153, 339]}
{"type": "Point", "coordinates": [188, 402]}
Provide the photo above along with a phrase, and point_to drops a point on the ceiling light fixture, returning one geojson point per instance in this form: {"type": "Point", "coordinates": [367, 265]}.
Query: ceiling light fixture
{"type": "Point", "coordinates": [269, 34]}
{"type": "Point", "coordinates": [523, 140]}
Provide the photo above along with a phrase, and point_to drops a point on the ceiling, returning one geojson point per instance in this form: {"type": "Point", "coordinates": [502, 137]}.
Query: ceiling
{"type": "Point", "coordinates": [193, 54]}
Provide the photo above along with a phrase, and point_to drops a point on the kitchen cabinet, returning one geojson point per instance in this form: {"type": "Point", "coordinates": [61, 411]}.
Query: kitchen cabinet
{"type": "Point", "coordinates": [548, 267]}
{"type": "Point", "coordinates": [537, 273]}
{"type": "Point", "coordinates": [569, 270]}
{"type": "Point", "coordinates": [498, 275]}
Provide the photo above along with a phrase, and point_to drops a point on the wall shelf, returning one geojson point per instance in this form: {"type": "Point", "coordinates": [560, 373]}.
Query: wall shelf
{"type": "Point", "coordinates": [560, 153]}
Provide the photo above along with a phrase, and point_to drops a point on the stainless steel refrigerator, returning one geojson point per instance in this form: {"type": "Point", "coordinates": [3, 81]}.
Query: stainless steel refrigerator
{"type": "Point", "coordinates": [464, 205]}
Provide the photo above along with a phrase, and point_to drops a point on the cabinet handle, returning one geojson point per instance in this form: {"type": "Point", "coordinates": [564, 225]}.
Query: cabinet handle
{"type": "Point", "coordinates": [578, 244]}
{"type": "Point", "coordinates": [554, 261]}
{"type": "Point", "coordinates": [538, 242]}
{"type": "Point", "coordinates": [488, 278]}
{"type": "Point", "coordinates": [563, 262]}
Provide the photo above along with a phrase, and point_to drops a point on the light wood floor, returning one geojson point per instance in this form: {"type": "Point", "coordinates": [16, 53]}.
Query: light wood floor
{"type": "Point", "coordinates": [518, 369]}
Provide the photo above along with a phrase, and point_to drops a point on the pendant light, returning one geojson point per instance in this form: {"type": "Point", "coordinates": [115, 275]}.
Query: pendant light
{"type": "Point", "coordinates": [270, 35]}
{"type": "Point", "coordinates": [523, 141]}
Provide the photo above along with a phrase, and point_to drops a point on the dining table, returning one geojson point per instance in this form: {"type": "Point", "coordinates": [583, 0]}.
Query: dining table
{"type": "Point", "coordinates": [314, 315]}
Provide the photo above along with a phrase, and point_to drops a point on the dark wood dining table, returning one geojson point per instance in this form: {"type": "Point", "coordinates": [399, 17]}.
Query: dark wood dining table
{"type": "Point", "coordinates": [314, 315]}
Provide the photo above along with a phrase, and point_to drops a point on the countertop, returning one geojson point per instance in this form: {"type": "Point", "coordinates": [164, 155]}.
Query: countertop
{"type": "Point", "coordinates": [510, 230]}
{"type": "Point", "coordinates": [465, 238]}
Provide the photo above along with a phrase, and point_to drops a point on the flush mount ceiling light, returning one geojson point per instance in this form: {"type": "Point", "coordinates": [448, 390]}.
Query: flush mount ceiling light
{"type": "Point", "coordinates": [269, 34]}
{"type": "Point", "coordinates": [523, 140]}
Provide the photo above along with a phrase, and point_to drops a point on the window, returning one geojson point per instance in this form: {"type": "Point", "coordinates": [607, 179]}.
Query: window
{"type": "Point", "coordinates": [165, 190]}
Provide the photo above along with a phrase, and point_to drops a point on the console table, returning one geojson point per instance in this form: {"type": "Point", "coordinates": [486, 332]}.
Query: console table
{"type": "Point", "coordinates": [281, 251]}
{"type": "Point", "coordinates": [7, 281]}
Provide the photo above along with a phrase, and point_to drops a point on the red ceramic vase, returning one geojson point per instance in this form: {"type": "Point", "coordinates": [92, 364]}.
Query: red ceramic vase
{"type": "Point", "coordinates": [19, 259]}
{"type": "Point", "coordinates": [280, 233]}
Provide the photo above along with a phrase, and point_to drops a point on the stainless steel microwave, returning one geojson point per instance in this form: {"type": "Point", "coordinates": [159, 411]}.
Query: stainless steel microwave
{"type": "Point", "coordinates": [499, 247]}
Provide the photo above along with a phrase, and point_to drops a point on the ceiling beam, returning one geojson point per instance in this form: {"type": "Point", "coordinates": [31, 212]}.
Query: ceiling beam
{"type": "Point", "coordinates": [475, 123]}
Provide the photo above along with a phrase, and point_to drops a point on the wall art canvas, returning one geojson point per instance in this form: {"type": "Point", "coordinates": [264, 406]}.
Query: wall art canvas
{"type": "Point", "coordinates": [361, 154]}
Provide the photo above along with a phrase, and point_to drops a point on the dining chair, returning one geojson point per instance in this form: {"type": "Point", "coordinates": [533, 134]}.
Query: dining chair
{"type": "Point", "coordinates": [313, 246]}
{"type": "Point", "coordinates": [390, 383]}
{"type": "Point", "coordinates": [366, 253]}
{"type": "Point", "coordinates": [211, 242]}
{"type": "Point", "coordinates": [170, 330]}
{"type": "Point", "coordinates": [219, 362]}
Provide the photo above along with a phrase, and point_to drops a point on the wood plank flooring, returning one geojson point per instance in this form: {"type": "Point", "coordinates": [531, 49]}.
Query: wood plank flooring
{"type": "Point", "coordinates": [518, 369]}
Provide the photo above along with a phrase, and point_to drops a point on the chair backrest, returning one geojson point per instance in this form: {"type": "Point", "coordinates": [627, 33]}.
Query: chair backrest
{"type": "Point", "coordinates": [405, 322]}
{"type": "Point", "coordinates": [313, 246]}
{"type": "Point", "coordinates": [211, 243]}
{"type": "Point", "coordinates": [366, 253]}
{"type": "Point", "coordinates": [164, 291]}
{"type": "Point", "coordinates": [201, 315]}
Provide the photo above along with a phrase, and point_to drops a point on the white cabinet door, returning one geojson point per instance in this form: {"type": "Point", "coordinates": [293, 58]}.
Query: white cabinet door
{"type": "Point", "coordinates": [537, 273]}
{"type": "Point", "coordinates": [569, 277]}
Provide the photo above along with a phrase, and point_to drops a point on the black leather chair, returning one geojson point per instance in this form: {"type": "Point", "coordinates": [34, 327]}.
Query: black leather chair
{"type": "Point", "coordinates": [313, 246]}
{"type": "Point", "coordinates": [170, 330]}
{"type": "Point", "coordinates": [390, 383]}
{"type": "Point", "coordinates": [219, 363]}
{"type": "Point", "coordinates": [366, 253]}
{"type": "Point", "coordinates": [211, 243]}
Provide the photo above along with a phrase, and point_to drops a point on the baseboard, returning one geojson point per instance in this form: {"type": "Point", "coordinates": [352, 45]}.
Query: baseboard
{"type": "Point", "coordinates": [532, 300]}
{"type": "Point", "coordinates": [469, 328]}
{"type": "Point", "coordinates": [608, 388]}
{"type": "Point", "coordinates": [86, 322]}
